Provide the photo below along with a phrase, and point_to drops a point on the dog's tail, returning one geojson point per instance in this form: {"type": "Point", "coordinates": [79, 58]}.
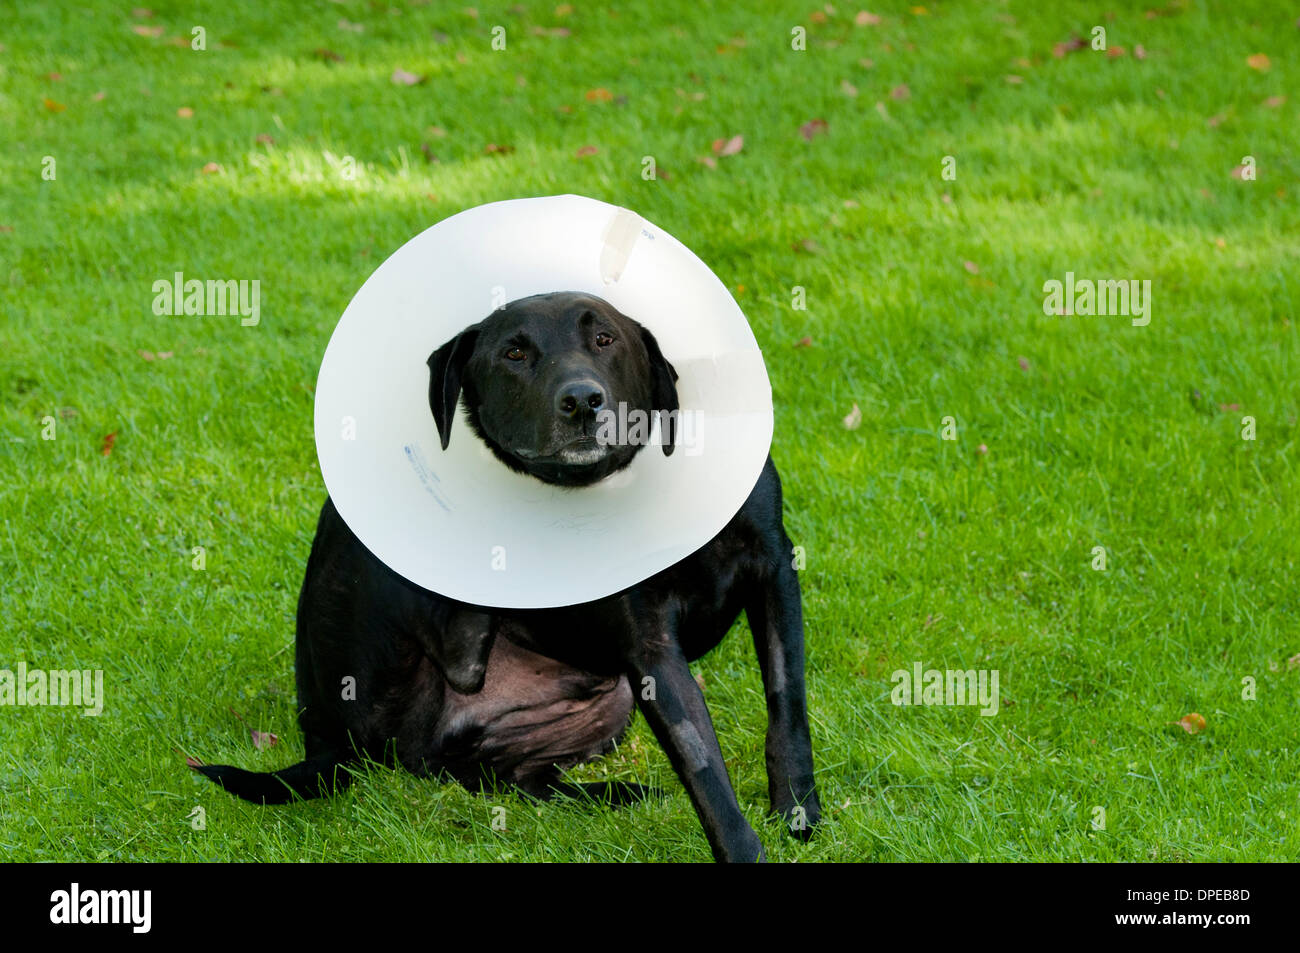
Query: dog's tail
{"type": "Point", "coordinates": [315, 777]}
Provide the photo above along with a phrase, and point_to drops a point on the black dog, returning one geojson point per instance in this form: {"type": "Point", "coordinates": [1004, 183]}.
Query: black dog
{"type": "Point", "coordinates": [517, 695]}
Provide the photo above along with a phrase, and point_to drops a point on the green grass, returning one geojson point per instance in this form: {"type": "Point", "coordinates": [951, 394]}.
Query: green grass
{"type": "Point", "coordinates": [919, 549]}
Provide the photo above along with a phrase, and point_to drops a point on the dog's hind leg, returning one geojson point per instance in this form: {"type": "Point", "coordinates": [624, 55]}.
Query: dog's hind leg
{"type": "Point", "coordinates": [611, 793]}
{"type": "Point", "coordinates": [317, 776]}
{"type": "Point", "coordinates": [546, 785]}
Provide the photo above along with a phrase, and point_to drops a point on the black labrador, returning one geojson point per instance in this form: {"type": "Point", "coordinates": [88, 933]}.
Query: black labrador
{"type": "Point", "coordinates": [481, 694]}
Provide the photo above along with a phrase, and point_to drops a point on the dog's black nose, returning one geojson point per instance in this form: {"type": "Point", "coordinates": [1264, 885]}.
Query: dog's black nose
{"type": "Point", "coordinates": [578, 398]}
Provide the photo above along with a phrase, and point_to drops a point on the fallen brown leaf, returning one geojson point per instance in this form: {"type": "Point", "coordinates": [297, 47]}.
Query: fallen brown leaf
{"type": "Point", "coordinates": [900, 92]}
{"type": "Point", "coordinates": [1258, 61]}
{"type": "Point", "coordinates": [143, 30]}
{"type": "Point", "coordinates": [866, 19]}
{"type": "Point", "coordinates": [185, 112]}
{"type": "Point", "coordinates": [587, 151]}
{"type": "Point", "coordinates": [402, 78]}
{"type": "Point", "coordinates": [1073, 44]}
{"type": "Point", "coordinates": [853, 420]}
{"type": "Point", "coordinates": [54, 107]}
{"type": "Point", "coordinates": [728, 147]}
{"type": "Point", "coordinates": [813, 128]}
{"type": "Point", "coordinates": [109, 440]}
{"type": "Point", "coordinates": [1192, 723]}
{"type": "Point", "coordinates": [598, 95]}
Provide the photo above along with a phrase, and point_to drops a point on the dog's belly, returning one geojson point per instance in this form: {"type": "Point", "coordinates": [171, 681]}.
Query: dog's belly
{"type": "Point", "coordinates": [533, 713]}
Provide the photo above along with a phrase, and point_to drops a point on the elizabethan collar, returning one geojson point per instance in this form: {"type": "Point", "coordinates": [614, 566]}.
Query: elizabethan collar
{"type": "Point", "coordinates": [459, 522]}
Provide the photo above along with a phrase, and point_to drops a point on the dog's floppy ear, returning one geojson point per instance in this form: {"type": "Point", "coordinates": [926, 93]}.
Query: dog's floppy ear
{"type": "Point", "coordinates": [663, 391]}
{"type": "Point", "coordinates": [446, 365]}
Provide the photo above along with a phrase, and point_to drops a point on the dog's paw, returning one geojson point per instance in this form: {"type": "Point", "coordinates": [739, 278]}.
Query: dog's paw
{"type": "Point", "coordinates": [747, 850]}
{"type": "Point", "coordinates": [800, 816]}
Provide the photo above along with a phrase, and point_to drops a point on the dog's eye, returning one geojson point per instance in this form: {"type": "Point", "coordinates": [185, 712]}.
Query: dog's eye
{"type": "Point", "coordinates": [604, 340]}
{"type": "Point", "coordinates": [516, 354]}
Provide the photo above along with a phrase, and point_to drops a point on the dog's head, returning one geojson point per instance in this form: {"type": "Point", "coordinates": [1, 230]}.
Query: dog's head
{"type": "Point", "coordinates": [542, 377]}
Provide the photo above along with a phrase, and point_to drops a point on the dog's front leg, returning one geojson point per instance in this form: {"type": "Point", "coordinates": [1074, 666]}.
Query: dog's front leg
{"type": "Point", "coordinates": [776, 620]}
{"type": "Point", "coordinates": [672, 703]}
{"type": "Point", "coordinates": [459, 638]}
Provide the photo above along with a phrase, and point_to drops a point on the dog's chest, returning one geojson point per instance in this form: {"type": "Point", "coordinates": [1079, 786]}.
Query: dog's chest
{"type": "Point", "coordinates": [695, 602]}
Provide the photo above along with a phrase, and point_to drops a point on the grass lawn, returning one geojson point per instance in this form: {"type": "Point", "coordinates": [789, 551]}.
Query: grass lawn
{"type": "Point", "coordinates": [292, 151]}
